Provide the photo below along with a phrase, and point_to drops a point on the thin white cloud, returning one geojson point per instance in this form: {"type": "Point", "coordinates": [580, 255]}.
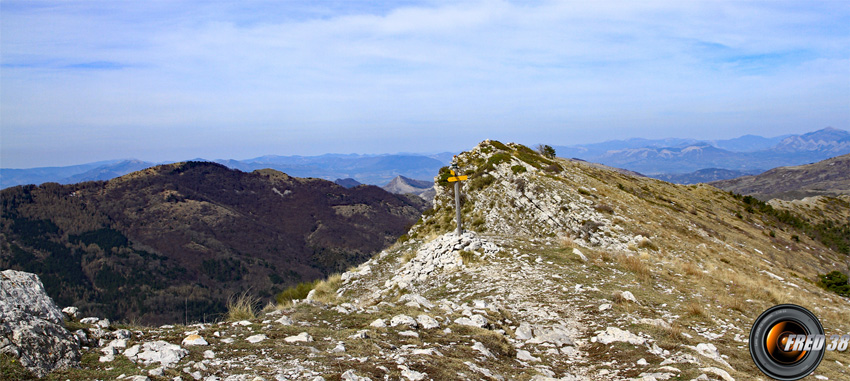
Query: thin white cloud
{"type": "Point", "coordinates": [292, 71]}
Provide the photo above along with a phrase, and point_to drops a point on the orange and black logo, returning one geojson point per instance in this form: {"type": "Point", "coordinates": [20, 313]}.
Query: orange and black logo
{"type": "Point", "coordinates": [787, 342]}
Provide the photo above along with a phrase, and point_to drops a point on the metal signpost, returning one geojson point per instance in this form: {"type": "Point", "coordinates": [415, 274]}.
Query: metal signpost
{"type": "Point", "coordinates": [457, 179]}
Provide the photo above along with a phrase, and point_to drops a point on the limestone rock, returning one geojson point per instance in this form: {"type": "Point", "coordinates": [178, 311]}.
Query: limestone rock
{"type": "Point", "coordinates": [524, 332]}
{"type": "Point", "coordinates": [302, 337]}
{"type": "Point", "coordinates": [427, 322]}
{"type": "Point", "coordinates": [525, 356]}
{"type": "Point", "coordinates": [403, 320]}
{"type": "Point", "coordinates": [258, 338]}
{"type": "Point", "coordinates": [349, 375]}
{"type": "Point", "coordinates": [613, 334]}
{"type": "Point", "coordinates": [378, 323]}
{"type": "Point", "coordinates": [194, 340]}
{"type": "Point", "coordinates": [285, 320]}
{"type": "Point", "coordinates": [627, 295]}
{"type": "Point", "coordinates": [474, 321]}
{"type": "Point", "coordinates": [162, 352]}
{"type": "Point", "coordinates": [71, 312]}
{"type": "Point", "coordinates": [32, 326]}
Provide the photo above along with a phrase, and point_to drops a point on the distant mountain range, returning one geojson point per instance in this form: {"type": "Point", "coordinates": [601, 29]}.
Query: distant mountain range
{"type": "Point", "coordinates": [690, 161]}
{"type": "Point", "coordinates": [684, 161]}
{"type": "Point", "coordinates": [176, 240]}
{"type": "Point", "coordinates": [364, 169]}
{"type": "Point", "coordinates": [830, 177]}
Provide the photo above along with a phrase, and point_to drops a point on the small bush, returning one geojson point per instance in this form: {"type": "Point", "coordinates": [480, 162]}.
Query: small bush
{"type": "Point", "coordinates": [836, 282]}
{"type": "Point", "coordinates": [546, 150]}
{"type": "Point", "coordinates": [241, 307]}
{"type": "Point", "coordinates": [299, 291]}
{"type": "Point", "coordinates": [517, 169]}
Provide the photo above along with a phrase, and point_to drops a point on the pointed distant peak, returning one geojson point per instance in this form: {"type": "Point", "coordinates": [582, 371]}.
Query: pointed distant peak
{"type": "Point", "coordinates": [402, 180]}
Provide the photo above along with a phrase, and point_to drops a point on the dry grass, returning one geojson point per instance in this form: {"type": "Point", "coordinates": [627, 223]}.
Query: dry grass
{"type": "Point", "coordinates": [468, 257]}
{"type": "Point", "coordinates": [695, 309]}
{"type": "Point", "coordinates": [325, 291]}
{"type": "Point", "coordinates": [408, 256]}
{"type": "Point", "coordinates": [636, 266]}
{"type": "Point", "coordinates": [567, 242]}
{"type": "Point", "coordinates": [241, 307]}
{"type": "Point", "coordinates": [692, 270]}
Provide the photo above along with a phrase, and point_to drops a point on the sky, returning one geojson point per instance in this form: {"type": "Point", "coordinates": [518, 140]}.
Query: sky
{"type": "Point", "coordinates": [83, 81]}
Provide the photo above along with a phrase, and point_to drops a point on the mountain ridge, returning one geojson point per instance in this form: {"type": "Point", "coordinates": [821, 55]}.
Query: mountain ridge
{"type": "Point", "coordinates": [205, 231]}
{"type": "Point", "coordinates": [566, 269]}
{"type": "Point", "coordinates": [830, 177]}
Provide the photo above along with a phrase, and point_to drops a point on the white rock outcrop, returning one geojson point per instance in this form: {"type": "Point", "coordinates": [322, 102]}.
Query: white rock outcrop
{"type": "Point", "coordinates": [31, 325]}
{"type": "Point", "coordinates": [162, 352]}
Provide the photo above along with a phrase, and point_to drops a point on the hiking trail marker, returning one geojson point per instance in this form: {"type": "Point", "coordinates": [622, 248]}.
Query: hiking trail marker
{"type": "Point", "coordinates": [457, 179]}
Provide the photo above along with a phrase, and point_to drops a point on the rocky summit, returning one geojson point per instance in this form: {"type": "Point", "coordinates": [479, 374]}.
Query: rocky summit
{"type": "Point", "coordinates": [565, 270]}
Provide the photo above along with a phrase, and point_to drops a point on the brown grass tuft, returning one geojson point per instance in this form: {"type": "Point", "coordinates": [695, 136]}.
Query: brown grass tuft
{"type": "Point", "coordinates": [635, 265]}
{"type": "Point", "coordinates": [241, 307]}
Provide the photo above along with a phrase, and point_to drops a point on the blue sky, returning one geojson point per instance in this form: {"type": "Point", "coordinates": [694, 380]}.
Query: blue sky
{"type": "Point", "coordinates": [82, 81]}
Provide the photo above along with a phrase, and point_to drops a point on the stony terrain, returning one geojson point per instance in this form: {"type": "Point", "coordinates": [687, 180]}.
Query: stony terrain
{"type": "Point", "coordinates": [567, 271]}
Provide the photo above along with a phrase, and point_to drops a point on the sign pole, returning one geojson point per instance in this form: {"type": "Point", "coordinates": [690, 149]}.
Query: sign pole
{"type": "Point", "coordinates": [457, 207]}
{"type": "Point", "coordinates": [457, 178]}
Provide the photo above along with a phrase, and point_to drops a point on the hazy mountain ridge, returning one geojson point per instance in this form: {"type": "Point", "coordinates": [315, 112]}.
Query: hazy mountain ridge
{"type": "Point", "coordinates": [829, 177]}
{"type": "Point", "coordinates": [190, 234]}
{"type": "Point", "coordinates": [665, 158]}
{"type": "Point", "coordinates": [366, 169]}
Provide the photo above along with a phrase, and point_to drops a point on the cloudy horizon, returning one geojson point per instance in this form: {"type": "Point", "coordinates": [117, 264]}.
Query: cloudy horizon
{"type": "Point", "coordinates": [86, 81]}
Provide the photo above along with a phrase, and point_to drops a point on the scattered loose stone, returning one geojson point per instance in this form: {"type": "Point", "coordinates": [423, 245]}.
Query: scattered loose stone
{"type": "Point", "coordinates": [627, 295]}
{"type": "Point", "coordinates": [378, 323]}
{"type": "Point", "coordinates": [613, 334]}
{"type": "Point", "coordinates": [474, 321]}
{"type": "Point", "coordinates": [718, 372]}
{"type": "Point", "coordinates": [525, 356]}
{"type": "Point", "coordinates": [302, 337]}
{"type": "Point", "coordinates": [481, 348]}
{"type": "Point", "coordinates": [427, 322]}
{"type": "Point", "coordinates": [605, 307]}
{"type": "Point", "coordinates": [524, 331]}
{"type": "Point", "coordinates": [166, 354]}
{"type": "Point", "coordinates": [411, 374]}
{"type": "Point", "coordinates": [194, 340]}
{"type": "Point", "coordinates": [403, 320]}
{"type": "Point", "coordinates": [349, 375]}
{"type": "Point", "coordinates": [285, 320]}
{"type": "Point", "coordinates": [258, 338]}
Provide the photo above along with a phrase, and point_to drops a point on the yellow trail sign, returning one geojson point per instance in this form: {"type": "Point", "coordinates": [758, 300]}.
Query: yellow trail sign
{"type": "Point", "coordinates": [457, 178]}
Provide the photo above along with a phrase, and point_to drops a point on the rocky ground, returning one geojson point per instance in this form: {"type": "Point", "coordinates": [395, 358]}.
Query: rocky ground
{"type": "Point", "coordinates": [578, 274]}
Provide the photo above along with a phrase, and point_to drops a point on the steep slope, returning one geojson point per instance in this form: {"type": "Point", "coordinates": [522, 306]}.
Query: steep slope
{"type": "Point", "coordinates": [567, 270]}
{"type": "Point", "coordinates": [175, 241]}
{"type": "Point", "coordinates": [825, 178]}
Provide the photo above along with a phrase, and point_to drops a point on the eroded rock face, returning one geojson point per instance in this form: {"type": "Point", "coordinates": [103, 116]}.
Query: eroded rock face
{"type": "Point", "coordinates": [31, 325]}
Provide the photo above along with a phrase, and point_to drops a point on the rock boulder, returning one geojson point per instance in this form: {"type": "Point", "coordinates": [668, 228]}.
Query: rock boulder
{"type": "Point", "coordinates": [32, 327]}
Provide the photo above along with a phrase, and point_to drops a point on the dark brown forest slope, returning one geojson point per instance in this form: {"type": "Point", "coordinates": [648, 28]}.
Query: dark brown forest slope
{"type": "Point", "coordinates": [173, 242]}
